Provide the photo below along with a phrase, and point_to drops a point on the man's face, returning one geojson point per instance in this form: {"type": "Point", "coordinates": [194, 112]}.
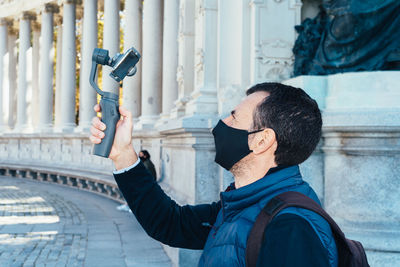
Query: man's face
{"type": "Point", "coordinates": [242, 116]}
{"type": "Point", "coordinates": [141, 155]}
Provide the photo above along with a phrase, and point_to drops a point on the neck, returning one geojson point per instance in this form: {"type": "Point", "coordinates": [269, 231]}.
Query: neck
{"type": "Point", "coordinates": [250, 172]}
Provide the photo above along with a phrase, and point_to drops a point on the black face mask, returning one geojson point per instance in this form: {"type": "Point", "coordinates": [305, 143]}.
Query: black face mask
{"type": "Point", "coordinates": [231, 144]}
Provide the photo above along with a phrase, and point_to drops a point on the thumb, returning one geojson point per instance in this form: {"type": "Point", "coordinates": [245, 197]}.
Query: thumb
{"type": "Point", "coordinates": [125, 113]}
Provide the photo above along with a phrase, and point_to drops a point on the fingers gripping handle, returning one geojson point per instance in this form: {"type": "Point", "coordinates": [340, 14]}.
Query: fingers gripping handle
{"type": "Point", "coordinates": [109, 116]}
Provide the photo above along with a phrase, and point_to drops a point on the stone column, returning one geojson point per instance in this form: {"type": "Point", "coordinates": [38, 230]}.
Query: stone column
{"type": "Point", "coordinates": [110, 41]}
{"type": "Point", "coordinates": [3, 91]}
{"type": "Point", "coordinates": [185, 71]}
{"type": "Point", "coordinates": [271, 56]}
{"type": "Point", "coordinates": [152, 63]}
{"type": "Point", "coordinates": [11, 76]}
{"type": "Point", "coordinates": [170, 57]}
{"type": "Point", "coordinates": [24, 105]}
{"type": "Point", "coordinates": [89, 42]}
{"type": "Point", "coordinates": [204, 97]}
{"type": "Point", "coordinates": [46, 69]}
{"type": "Point", "coordinates": [35, 73]}
{"type": "Point", "coordinates": [230, 55]}
{"type": "Point", "coordinates": [57, 104]}
{"type": "Point", "coordinates": [133, 37]}
{"type": "Point", "coordinates": [68, 75]}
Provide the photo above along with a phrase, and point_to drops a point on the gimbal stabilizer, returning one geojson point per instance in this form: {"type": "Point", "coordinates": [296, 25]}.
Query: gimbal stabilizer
{"type": "Point", "coordinates": [122, 65]}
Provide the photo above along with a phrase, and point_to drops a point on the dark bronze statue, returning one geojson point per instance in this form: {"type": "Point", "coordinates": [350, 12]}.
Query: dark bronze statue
{"type": "Point", "coordinates": [349, 35]}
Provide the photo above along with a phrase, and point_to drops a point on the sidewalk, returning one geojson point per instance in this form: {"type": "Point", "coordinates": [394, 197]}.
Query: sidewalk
{"type": "Point", "coordinates": [50, 225]}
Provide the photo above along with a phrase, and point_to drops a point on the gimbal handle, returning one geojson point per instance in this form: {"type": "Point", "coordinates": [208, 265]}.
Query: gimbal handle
{"type": "Point", "coordinates": [122, 65]}
{"type": "Point", "coordinates": [108, 104]}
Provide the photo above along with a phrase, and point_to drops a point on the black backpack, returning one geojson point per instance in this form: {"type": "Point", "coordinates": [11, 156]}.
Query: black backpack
{"type": "Point", "coordinates": [351, 253]}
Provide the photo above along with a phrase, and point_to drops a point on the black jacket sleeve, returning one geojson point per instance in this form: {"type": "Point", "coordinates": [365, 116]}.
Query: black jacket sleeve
{"type": "Point", "coordinates": [290, 241]}
{"type": "Point", "coordinates": [160, 216]}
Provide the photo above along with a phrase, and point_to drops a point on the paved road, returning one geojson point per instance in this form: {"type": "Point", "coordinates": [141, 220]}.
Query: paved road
{"type": "Point", "coordinates": [50, 225]}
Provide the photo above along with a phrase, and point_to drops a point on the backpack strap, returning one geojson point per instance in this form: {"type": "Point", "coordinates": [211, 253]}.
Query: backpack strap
{"type": "Point", "coordinates": [271, 209]}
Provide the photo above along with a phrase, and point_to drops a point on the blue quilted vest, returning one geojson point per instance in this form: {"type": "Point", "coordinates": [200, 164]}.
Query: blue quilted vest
{"type": "Point", "coordinates": [226, 243]}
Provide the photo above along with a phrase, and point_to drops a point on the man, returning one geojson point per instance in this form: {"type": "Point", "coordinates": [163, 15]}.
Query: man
{"type": "Point", "coordinates": [275, 128]}
{"type": "Point", "coordinates": [144, 157]}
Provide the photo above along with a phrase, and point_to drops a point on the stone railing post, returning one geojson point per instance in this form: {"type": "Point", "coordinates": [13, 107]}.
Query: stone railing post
{"type": "Point", "coordinates": [46, 69]}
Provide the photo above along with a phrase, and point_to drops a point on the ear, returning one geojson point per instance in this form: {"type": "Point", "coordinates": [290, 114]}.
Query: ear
{"type": "Point", "coordinates": [263, 141]}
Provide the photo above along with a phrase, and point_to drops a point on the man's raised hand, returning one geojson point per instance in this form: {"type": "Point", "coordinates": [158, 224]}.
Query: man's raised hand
{"type": "Point", "coordinates": [122, 152]}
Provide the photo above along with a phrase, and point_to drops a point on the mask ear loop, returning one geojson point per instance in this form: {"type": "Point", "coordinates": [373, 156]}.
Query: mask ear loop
{"type": "Point", "coordinates": [253, 132]}
{"type": "Point", "coordinates": [256, 131]}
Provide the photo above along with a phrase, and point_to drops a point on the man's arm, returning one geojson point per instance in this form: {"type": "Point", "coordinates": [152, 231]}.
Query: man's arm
{"type": "Point", "coordinates": [160, 216]}
{"type": "Point", "coordinates": [291, 241]}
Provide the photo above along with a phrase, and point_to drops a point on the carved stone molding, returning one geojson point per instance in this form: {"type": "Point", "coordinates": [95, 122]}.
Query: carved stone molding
{"type": "Point", "coordinates": [51, 8]}
{"type": "Point", "coordinates": [276, 48]}
{"type": "Point", "coordinates": [179, 77]}
{"type": "Point", "coordinates": [76, 2]}
{"type": "Point", "coordinates": [6, 22]}
{"type": "Point", "coordinates": [199, 61]}
{"type": "Point", "coordinates": [293, 4]}
{"type": "Point", "coordinates": [28, 15]}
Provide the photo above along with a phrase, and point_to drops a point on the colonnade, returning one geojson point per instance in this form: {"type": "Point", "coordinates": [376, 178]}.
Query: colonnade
{"type": "Point", "coordinates": [27, 102]}
{"type": "Point", "coordinates": [188, 60]}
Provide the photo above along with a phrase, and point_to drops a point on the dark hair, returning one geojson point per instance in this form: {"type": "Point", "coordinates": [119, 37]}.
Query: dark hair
{"type": "Point", "coordinates": [295, 118]}
{"type": "Point", "coordinates": [146, 154]}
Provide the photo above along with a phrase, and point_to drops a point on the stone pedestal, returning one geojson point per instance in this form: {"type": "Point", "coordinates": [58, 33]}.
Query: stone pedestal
{"type": "Point", "coordinates": [361, 146]}
{"type": "Point", "coordinates": [188, 172]}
